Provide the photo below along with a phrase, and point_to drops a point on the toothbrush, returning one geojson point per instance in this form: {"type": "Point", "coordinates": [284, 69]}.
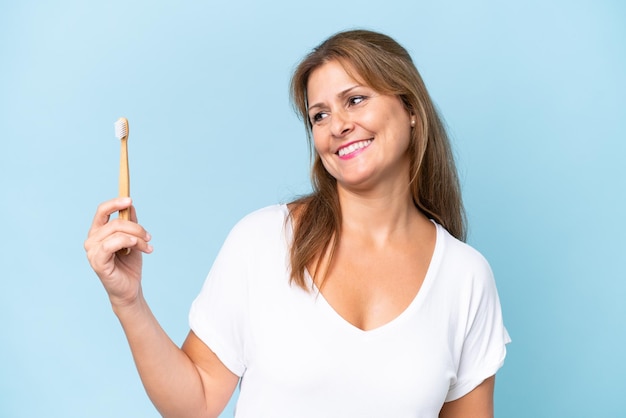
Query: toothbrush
{"type": "Point", "coordinates": [121, 132]}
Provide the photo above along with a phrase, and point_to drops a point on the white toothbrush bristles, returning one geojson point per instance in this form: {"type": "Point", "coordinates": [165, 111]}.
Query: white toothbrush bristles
{"type": "Point", "coordinates": [121, 128]}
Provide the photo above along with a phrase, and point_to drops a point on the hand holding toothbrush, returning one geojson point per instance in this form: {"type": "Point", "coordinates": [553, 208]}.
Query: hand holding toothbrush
{"type": "Point", "coordinates": [109, 244]}
{"type": "Point", "coordinates": [120, 274]}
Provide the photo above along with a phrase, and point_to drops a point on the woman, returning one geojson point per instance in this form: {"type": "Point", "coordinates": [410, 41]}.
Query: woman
{"type": "Point", "coordinates": [354, 301]}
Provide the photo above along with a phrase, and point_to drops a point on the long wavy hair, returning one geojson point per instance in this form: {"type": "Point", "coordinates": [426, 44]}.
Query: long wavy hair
{"type": "Point", "coordinates": [385, 66]}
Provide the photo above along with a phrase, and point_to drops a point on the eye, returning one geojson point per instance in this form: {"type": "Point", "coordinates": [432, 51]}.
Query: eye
{"type": "Point", "coordinates": [316, 118]}
{"type": "Point", "coordinates": [355, 100]}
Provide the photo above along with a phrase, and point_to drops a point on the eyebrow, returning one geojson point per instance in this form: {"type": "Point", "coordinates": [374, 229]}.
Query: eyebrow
{"type": "Point", "coordinates": [340, 94]}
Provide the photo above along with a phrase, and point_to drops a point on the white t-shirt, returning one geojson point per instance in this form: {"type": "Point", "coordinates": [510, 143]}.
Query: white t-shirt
{"type": "Point", "coordinates": [298, 358]}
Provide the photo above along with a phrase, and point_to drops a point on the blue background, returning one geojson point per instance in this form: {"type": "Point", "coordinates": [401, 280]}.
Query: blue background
{"type": "Point", "coordinates": [533, 95]}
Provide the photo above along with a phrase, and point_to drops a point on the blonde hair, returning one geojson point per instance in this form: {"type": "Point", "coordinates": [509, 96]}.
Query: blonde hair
{"type": "Point", "coordinates": [382, 64]}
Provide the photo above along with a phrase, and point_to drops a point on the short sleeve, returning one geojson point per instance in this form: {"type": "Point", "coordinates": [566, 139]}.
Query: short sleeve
{"type": "Point", "coordinates": [218, 315]}
{"type": "Point", "coordinates": [485, 337]}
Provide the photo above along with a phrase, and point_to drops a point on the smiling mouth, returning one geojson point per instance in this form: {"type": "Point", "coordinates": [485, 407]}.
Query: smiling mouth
{"type": "Point", "coordinates": [354, 147]}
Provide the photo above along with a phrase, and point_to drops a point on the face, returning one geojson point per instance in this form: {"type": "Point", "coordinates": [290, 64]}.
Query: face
{"type": "Point", "coordinates": [361, 136]}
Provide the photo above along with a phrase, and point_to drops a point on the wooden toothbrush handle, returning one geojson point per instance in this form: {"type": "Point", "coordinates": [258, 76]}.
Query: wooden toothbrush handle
{"type": "Point", "coordinates": [124, 185]}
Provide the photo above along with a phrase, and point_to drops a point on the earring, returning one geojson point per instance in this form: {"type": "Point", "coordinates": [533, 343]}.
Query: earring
{"type": "Point", "coordinates": [412, 123]}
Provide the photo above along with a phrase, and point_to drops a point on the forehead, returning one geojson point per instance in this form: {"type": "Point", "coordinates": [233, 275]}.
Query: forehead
{"type": "Point", "coordinates": [332, 77]}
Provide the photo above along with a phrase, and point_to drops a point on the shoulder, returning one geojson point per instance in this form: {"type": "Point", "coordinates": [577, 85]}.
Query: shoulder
{"type": "Point", "coordinates": [264, 228]}
{"type": "Point", "coordinates": [262, 220]}
{"type": "Point", "coordinates": [466, 281]}
{"type": "Point", "coordinates": [461, 263]}
{"type": "Point", "coordinates": [462, 252]}
{"type": "Point", "coordinates": [267, 213]}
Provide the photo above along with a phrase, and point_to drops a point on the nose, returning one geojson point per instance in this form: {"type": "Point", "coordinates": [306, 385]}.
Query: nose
{"type": "Point", "coordinates": [340, 123]}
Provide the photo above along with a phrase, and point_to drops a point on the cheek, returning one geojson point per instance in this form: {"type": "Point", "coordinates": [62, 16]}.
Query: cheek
{"type": "Point", "coordinates": [319, 143]}
{"type": "Point", "coordinates": [321, 155]}
{"type": "Point", "coordinates": [402, 126]}
{"type": "Point", "coordinates": [324, 159]}
{"type": "Point", "coordinates": [320, 166]}
{"type": "Point", "coordinates": [320, 147]}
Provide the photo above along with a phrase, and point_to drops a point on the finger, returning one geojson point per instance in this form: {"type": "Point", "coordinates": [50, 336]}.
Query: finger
{"type": "Point", "coordinates": [105, 209]}
{"type": "Point", "coordinates": [143, 246]}
{"type": "Point", "coordinates": [116, 226]}
{"type": "Point", "coordinates": [101, 254]}
{"type": "Point", "coordinates": [121, 241]}
{"type": "Point", "coordinates": [118, 241]}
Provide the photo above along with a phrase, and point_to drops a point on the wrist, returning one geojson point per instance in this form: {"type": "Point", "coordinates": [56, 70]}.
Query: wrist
{"type": "Point", "coordinates": [123, 307]}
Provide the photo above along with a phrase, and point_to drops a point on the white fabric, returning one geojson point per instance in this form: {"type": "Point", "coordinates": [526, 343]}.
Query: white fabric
{"type": "Point", "coordinates": [299, 358]}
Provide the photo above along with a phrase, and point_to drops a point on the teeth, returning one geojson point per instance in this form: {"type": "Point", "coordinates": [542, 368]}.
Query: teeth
{"type": "Point", "coordinates": [353, 147]}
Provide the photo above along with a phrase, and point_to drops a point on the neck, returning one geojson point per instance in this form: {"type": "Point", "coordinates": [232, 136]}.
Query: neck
{"type": "Point", "coordinates": [380, 218]}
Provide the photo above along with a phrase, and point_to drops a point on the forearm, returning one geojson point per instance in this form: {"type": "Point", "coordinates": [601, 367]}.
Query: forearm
{"type": "Point", "coordinates": [170, 378]}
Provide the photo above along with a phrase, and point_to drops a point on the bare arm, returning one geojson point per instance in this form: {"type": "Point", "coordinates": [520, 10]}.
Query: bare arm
{"type": "Point", "coordinates": [217, 379]}
{"type": "Point", "coordinates": [188, 382]}
{"type": "Point", "coordinates": [476, 404]}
